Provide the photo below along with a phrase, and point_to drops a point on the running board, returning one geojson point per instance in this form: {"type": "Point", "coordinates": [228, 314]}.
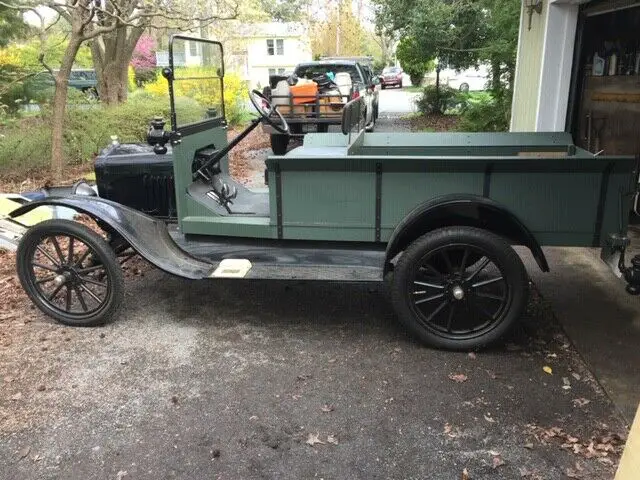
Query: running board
{"type": "Point", "coordinates": [267, 259]}
{"type": "Point", "coordinates": [332, 273]}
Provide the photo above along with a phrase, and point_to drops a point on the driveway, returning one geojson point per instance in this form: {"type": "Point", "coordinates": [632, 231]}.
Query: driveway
{"type": "Point", "coordinates": [395, 102]}
{"type": "Point", "coordinates": [291, 380]}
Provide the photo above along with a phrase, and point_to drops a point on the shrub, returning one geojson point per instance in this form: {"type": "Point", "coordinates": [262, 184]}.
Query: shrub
{"type": "Point", "coordinates": [412, 59]}
{"type": "Point", "coordinates": [438, 101]}
{"type": "Point", "coordinates": [26, 143]}
{"type": "Point", "coordinates": [487, 114]}
{"type": "Point", "coordinates": [206, 91]}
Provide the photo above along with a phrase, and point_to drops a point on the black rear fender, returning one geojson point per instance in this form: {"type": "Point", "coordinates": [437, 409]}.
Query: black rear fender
{"type": "Point", "coordinates": [148, 236]}
{"type": "Point", "coordinates": [463, 210]}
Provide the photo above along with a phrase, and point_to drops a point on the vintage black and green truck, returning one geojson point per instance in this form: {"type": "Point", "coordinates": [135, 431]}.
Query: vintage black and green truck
{"type": "Point", "coordinates": [435, 216]}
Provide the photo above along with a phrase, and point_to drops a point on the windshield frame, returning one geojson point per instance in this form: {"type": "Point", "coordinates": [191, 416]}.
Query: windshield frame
{"type": "Point", "coordinates": [202, 125]}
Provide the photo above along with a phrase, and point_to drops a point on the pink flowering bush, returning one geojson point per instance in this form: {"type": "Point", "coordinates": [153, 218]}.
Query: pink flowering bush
{"type": "Point", "coordinates": [143, 60]}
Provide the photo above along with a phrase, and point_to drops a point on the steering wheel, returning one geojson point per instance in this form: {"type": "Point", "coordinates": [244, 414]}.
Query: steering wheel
{"type": "Point", "coordinates": [266, 111]}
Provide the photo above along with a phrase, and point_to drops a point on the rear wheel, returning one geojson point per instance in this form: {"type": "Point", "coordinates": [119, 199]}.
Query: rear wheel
{"type": "Point", "coordinates": [279, 144]}
{"type": "Point", "coordinates": [459, 288]}
{"type": "Point", "coordinates": [70, 273]}
{"type": "Point", "coordinates": [323, 127]}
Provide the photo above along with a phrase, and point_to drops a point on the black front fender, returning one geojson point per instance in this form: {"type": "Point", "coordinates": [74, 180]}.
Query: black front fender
{"type": "Point", "coordinates": [146, 235]}
{"type": "Point", "coordinates": [464, 210]}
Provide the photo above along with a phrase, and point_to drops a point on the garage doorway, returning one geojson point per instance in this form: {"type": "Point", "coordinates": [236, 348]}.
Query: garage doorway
{"type": "Point", "coordinates": [604, 109]}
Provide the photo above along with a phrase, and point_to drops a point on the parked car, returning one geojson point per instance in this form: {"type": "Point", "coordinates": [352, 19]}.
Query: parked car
{"type": "Point", "coordinates": [469, 80]}
{"type": "Point", "coordinates": [320, 110]}
{"type": "Point", "coordinates": [84, 80]}
{"type": "Point", "coordinates": [391, 77]}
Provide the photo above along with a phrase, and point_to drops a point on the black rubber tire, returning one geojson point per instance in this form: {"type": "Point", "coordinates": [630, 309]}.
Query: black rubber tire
{"type": "Point", "coordinates": [279, 143]}
{"type": "Point", "coordinates": [498, 250]}
{"type": "Point", "coordinates": [323, 128]}
{"type": "Point", "coordinates": [383, 87]}
{"type": "Point", "coordinates": [101, 249]}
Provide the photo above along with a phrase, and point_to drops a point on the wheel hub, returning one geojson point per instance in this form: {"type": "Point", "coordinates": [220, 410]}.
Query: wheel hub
{"type": "Point", "coordinates": [457, 292]}
{"type": "Point", "coordinates": [60, 280]}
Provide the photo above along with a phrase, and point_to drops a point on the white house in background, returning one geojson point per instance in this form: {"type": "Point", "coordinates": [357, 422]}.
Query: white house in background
{"type": "Point", "coordinates": [186, 53]}
{"type": "Point", "coordinates": [578, 70]}
{"type": "Point", "coordinates": [263, 49]}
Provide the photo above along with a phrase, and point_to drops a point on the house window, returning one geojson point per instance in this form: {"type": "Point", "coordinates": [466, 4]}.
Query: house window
{"type": "Point", "coordinates": [193, 49]}
{"type": "Point", "coordinates": [275, 47]}
{"type": "Point", "coordinates": [272, 71]}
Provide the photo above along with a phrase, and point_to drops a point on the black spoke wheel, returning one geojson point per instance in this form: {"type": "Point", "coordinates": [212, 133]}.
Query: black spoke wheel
{"type": "Point", "coordinates": [459, 288]}
{"type": "Point", "coordinates": [70, 273]}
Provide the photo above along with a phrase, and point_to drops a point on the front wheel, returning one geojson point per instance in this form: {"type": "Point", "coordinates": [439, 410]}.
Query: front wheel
{"type": "Point", "coordinates": [279, 144]}
{"type": "Point", "coordinates": [70, 273]}
{"type": "Point", "coordinates": [459, 288]}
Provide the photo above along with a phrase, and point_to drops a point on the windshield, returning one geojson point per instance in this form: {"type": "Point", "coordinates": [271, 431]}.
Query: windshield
{"type": "Point", "coordinates": [198, 73]}
{"type": "Point", "coordinates": [390, 70]}
{"type": "Point", "coordinates": [314, 70]}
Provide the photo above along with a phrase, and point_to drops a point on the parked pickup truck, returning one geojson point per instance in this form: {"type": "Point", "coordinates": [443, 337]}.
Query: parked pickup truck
{"type": "Point", "coordinates": [323, 109]}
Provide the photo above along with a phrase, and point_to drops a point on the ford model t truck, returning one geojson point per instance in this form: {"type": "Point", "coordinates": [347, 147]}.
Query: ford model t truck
{"type": "Point", "coordinates": [433, 216]}
{"type": "Point", "coordinates": [313, 97]}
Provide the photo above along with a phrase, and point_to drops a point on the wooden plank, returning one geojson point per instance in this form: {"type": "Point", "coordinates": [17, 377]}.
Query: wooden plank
{"type": "Point", "coordinates": [621, 97]}
{"type": "Point", "coordinates": [629, 468]}
{"type": "Point", "coordinates": [543, 154]}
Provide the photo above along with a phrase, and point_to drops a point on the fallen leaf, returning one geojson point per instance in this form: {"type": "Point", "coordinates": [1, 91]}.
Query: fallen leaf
{"type": "Point", "coordinates": [547, 369]}
{"type": "Point", "coordinates": [581, 402]}
{"type": "Point", "coordinates": [491, 374]}
{"type": "Point", "coordinates": [121, 474]}
{"type": "Point", "coordinates": [326, 408]}
{"type": "Point", "coordinates": [332, 440]}
{"type": "Point", "coordinates": [488, 418]}
{"type": "Point", "coordinates": [576, 376]}
{"type": "Point", "coordinates": [314, 439]}
{"type": "Point", "coordinates": [497, 462]}
{"type": "Point", "coordinates": [566, 382]}
{"type": "Point", "coordinates": [525, 472]}
{"type": "Point", "coordinates": [528, 445]}
{"type": "Point", "coordinates": [465, 475]}
{"type": "Point", "coordinates": [571, 473]}
{"type": "Point", "coordinates": [24, 452]}
{"type": "Point", "coordinates": [448, 430]}
{"type": "Point", "coordinates": [458, 377]}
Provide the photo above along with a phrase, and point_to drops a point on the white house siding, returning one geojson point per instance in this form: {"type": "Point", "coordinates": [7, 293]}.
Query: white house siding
{"type": "Point", "coordinates": [528, 69]}
{"type": "Point", "coordinates": [543, 68]}
{"type": "Point", "coordinates": [251, 40]}
{"type": "Point", "coordinates": [296, 50]}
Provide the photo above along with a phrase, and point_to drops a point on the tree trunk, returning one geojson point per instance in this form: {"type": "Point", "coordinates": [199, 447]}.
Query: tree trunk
{"type": "Point", "coordinates": [111, 55]}
{"type": "Point", "coordinates": [59, 108]}
{"type": "Point", "coordinates": [496, 84]}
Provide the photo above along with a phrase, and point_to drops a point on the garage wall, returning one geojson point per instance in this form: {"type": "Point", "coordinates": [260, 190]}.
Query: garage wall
{"type": "Point", "coordinates": [544, 64]}
{"type": "Point", "coordinates": [528, 69]}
